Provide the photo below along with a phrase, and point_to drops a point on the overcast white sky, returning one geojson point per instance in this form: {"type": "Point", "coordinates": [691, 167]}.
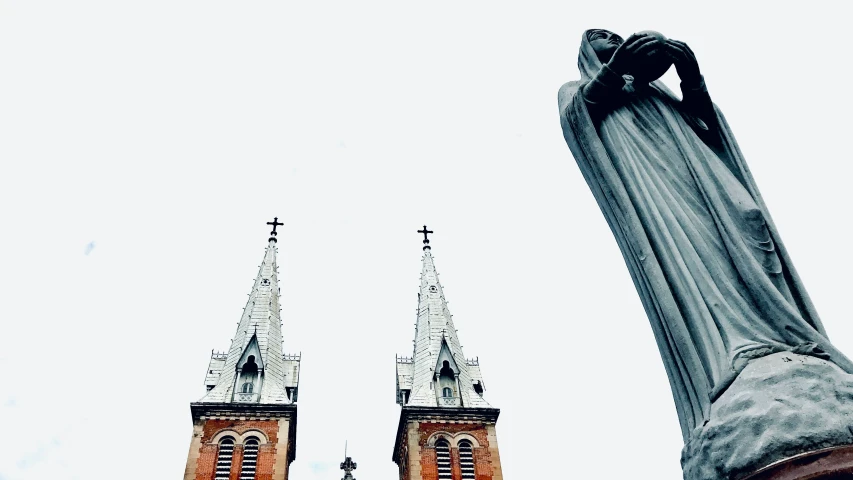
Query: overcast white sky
{"type": "Point", "coordinates": [145, 144]}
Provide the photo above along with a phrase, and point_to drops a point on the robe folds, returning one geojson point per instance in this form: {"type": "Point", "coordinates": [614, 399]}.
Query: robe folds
{"type": "Point", "coordinates": [713, 275]}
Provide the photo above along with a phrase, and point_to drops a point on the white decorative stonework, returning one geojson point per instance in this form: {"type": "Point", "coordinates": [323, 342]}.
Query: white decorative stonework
{"type": "Point", "coordinates": [259, 330]}
{"type": "Point", "coordinates": [436, 341]}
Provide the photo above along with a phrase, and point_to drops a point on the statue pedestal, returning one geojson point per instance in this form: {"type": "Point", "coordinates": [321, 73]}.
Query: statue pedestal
{"type": "Point", "coordinates": [785, 415]}
{"type": "Point", "coordinates": [828, 464]}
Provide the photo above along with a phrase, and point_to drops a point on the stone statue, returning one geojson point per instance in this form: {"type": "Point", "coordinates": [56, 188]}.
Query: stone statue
{"type": "Point", "coordinates": [737, 332]}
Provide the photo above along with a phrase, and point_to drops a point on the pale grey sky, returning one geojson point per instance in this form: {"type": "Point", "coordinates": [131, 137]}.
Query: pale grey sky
{"type": "Point", "coordinates": [145, 144]}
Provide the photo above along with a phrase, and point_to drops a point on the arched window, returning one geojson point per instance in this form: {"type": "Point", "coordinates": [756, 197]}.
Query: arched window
{"type": "Point", "coordinates": [466, 459]}
{"type": "Point", "coordinates": [248, 387]}
{"type": "Point", "coordinates": [447, 384]}
{"type": "Point", "coordinates": [223, 460]}
{"type": "Point", "coordinates": [442, 454]}
{"type": "Point", "coordinates": [250, 459]}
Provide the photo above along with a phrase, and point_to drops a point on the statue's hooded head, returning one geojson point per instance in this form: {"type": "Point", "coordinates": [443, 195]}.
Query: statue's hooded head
{"type": "Point", "coordinates": [597, 46]}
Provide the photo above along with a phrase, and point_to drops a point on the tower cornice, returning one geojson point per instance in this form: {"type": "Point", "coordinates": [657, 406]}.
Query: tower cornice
{"type": "Point", "coordinates": [201, 410]}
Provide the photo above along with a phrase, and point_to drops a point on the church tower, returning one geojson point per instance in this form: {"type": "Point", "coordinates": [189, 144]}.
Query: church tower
{"type": "Point", "coordinates": [244, 428]}
{"type": "Point", "coordinates": [446, 429]}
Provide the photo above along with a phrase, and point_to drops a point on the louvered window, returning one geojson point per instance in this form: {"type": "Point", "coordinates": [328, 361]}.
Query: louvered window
{"type": "Point", "coordinates": [442, 453]}
{"type": "Point", "coordinates": [250, 459]}
{"type": "Point", "coordinates": [466, 459]}
{"type": "Point", "coordinates": [223, 460]}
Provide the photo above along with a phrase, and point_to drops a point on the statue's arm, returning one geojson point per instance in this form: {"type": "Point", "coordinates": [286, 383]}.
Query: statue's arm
{"type": "Point", "coordinates": [697, 101]}
{"type": "Point", "coordinates": [694, 93]}
{"type": "Point", "coordinates": [601, 92]}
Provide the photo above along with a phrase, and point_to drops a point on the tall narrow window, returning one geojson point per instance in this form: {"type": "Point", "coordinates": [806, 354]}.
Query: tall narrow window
{"type": "Point", "coordinates": [249, 374]}
{"type": "Point", "coordinates": [447, 385]}
{"type": "Point", "coordinates": [442, 453]}
{"type": "Point", "coordinates": [223, 460]}
{"type": "Point", "coordinates": [466, 459]}
{"type": "Point", "coordinates": [250, 459]}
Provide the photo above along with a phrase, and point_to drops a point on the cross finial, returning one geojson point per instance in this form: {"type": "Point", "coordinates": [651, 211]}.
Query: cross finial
{"type": "Point", "coordinates": [274, 223]}
{"type": "Point", "coordinates": [348, 466]}
{"type": "Point", "coordinates": [426, 237]}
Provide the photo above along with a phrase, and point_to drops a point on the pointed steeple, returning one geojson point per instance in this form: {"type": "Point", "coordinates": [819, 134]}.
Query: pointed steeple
{"type": "Point", "coordinates": [437, 375]}
{"type": "Point", "coordinates": [254, 370]}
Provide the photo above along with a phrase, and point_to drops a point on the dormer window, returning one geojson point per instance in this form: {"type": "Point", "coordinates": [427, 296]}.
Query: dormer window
{"type": "Point", "coordinates": [446, 385]}
{"type": "Point", "coordinates": [247, 381]}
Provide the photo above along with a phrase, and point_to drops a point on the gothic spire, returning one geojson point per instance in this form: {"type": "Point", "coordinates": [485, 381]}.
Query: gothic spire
{"type": "Point", "coordinates": [438, 373]}
{"type": "Point", "coordinates": [253, 370]}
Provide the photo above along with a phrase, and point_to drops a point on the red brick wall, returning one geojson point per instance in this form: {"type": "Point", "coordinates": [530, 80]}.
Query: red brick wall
{"type": "Point", "coordinates": [266, 461]}
{"type": "Point", "coordinates": [482, 457]}
{"type": "Point", "coordinates": [214, 426]}
{"type": "Point", "coordinates": [206, 467]}
{"type": "Point", "coordinates": [483, 464]}
{"type": "Point", "coordinates": [429, 464]}
{"type": "Point", "coordinates": [455, 468]}
{"type": "Point", "coordinates": [236, 461]}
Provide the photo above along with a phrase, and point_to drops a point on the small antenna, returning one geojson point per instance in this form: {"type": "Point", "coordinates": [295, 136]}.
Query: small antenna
{"type": "Point", "coordinates": [345, 448]}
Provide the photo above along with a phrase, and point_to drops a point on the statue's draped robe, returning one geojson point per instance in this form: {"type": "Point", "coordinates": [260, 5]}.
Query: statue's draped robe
{"type": "Point", "coordinates": [705, 257]}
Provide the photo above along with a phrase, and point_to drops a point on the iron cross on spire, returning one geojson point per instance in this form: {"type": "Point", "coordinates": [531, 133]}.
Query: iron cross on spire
{"type": "Point", "coordinates": [274, 223]}
{"type": "Point", "coordinates": [426, 237]}
{"type": "Point", "coordinates": [348, 466]}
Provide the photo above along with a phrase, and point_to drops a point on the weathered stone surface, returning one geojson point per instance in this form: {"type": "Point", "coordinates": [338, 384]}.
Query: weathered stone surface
{"type": "Point", "coordinates": [780, 406]}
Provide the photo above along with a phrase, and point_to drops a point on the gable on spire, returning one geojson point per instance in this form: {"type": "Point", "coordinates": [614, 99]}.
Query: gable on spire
{"type": "Point", "coordinates": [250, 373]}
{"type": "Point", "coordinates": [446, 378]}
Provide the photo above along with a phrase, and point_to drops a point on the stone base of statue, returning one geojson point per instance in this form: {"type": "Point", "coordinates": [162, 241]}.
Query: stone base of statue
{"type": "Point", "coordinates": [827, 464]}
{"type": "Point", "coordinates": [782, 412]}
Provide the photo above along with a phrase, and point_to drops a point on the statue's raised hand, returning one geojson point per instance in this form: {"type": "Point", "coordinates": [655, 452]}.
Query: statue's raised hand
{"type": "Point", "coordinates": [637, 47]}
{"type": "Point", "coordinates": [684, 61]}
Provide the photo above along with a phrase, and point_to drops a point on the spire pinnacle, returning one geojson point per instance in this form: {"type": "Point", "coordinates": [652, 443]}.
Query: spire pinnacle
{"type": "Point", "coordinates": [273, 234]}
{"type": "Point", "coordinates": [426, 237]}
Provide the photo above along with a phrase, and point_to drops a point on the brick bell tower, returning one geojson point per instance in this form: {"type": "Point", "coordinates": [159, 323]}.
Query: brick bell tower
{"type": "Point", "coordinates": [244, 428]}
{"type": "Point", "coordinates": [446, 429]}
